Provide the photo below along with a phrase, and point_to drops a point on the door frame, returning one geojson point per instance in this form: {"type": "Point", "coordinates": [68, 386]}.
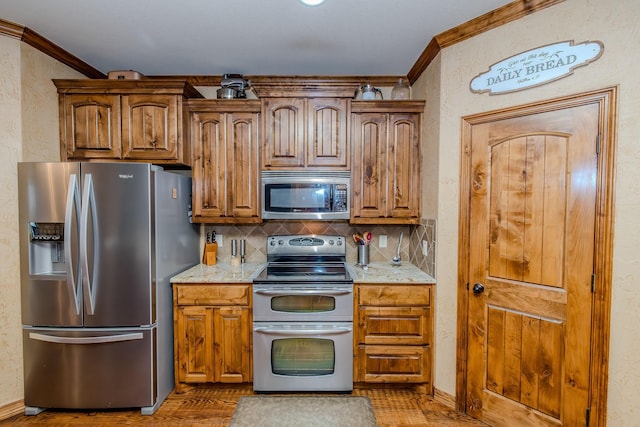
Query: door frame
{"type": "Point", "coordinates": [603, 263]}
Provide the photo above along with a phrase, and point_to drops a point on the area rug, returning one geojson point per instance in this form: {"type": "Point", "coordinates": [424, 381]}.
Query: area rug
{"type": "Point", "coordinates": [304, 411]}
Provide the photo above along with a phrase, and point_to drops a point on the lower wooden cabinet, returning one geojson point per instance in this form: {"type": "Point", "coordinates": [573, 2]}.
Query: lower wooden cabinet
{"type": "Point", "coordinates": [394, 334]}
{"type": "Point", "coordinates": [212, 333]}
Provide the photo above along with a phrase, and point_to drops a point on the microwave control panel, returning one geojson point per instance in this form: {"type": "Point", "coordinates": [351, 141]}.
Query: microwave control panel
{"type": "Point", "coordinates": [340, 198]}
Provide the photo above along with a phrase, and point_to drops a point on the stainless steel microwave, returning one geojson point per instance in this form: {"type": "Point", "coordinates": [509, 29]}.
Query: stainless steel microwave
{"type": "Point", "coordinates": [313, 195]}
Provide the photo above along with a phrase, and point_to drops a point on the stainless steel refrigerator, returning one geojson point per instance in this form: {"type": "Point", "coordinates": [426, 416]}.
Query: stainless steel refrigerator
{"type": "Point", "coordinates": [98, 245]}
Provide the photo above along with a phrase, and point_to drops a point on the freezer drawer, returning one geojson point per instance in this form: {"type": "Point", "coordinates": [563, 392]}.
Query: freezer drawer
{"type": "Point", "coordinates": [89, 368]}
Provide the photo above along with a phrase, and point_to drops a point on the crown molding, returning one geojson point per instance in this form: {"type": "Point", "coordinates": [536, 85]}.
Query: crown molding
{"type": "Point", "coordinates": [49, 48]}
{"type": "Point", "coordinates": [490, 20]}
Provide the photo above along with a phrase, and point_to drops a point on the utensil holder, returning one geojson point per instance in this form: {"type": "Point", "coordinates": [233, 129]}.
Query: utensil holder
{"type": "Point", "coordinates": [363, 254]}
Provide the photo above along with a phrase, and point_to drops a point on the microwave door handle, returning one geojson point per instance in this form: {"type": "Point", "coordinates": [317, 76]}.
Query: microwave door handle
{"type": "Point", "coordinates": [331, 197]}
{"type": "Point", "coordinates": [73, 202]}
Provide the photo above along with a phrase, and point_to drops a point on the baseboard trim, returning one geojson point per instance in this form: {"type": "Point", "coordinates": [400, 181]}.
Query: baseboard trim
{"type": "Point", "coordinates": [446, 399]}
{"type": "Point", "coordinates": [11, 409]}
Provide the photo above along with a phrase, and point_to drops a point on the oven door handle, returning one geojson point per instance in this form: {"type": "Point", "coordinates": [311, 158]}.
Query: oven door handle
{"type": "Point", "coordinates": [328, 292]}
{"type": "Point", "coordinates": [289, 332]}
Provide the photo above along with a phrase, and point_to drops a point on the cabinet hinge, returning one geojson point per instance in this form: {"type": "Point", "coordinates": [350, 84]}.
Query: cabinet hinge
{"type": "Point", "coordinates": [598, 145]}
{"type": "Point", "coordinates": [593, 283]}
{"type": "Point", "coordinates": [588, 417]}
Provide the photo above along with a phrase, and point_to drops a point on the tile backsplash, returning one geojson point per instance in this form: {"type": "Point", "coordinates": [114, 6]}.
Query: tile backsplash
{"type": "Point", "coordinates": [255, 237]}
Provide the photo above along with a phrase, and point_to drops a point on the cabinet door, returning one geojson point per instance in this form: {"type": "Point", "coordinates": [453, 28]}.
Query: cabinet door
{"type": "Point", "coordinates": [243, 165]}
{"type": "Point", "coordinates": [150, 127]}
{"type": "Point", "coordinates": [209, 165]}
{"type": "Point", "coordinates": [284, 132]}
{"type": "Point", "coordinates": [369, 165]}
{"type": "Point", "coordinates": [394, 364]}
{"type": "Point", "coordinates": [403, 196]}
{"type": "Point", "coordinates": [91, 126]}
{"type": "Point", "coordinates": [232, 345]}
{"type": "Point", "coordinates": [195, 342]}
{"type": "Point", "coordinates": [394, 325]}
{"type": "Point", "coordinates": [327, 144]}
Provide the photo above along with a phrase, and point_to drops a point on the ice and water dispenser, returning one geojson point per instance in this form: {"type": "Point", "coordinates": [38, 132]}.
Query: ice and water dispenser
{"type": "Point", "coordinates": [46, 248]}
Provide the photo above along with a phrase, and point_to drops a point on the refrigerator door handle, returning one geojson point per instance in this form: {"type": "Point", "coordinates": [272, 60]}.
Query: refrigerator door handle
{"type": "Point", "coordinates": [85, 340]}
{"type": "Point", "coordinates": [73, 202]}
{"type": "Point", "coordinates": [88, 277]}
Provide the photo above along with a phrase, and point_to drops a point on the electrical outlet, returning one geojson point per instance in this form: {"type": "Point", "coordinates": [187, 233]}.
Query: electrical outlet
{"type": "Point", "coordinates": [382, 240]}
{"type": "Point", "coordinates": [425, 248]}
{"type": "Point", "coordinates": [219, 240]}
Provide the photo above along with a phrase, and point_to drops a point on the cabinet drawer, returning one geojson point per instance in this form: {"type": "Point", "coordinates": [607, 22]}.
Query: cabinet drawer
{"type": "Point", "coordinates": [394, 325]}
{"type": "Point", "coordinates": [213, 294]}
{"type": "Point", "coordinates": [394, 364]}
{"type": "Point", "coordinates": [394, 295]}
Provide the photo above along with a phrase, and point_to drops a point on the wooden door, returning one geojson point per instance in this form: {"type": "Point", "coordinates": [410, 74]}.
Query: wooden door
{"type": "Point", "coordinates": [284, 132]}
{"type": "Point", "coordinates": [209, 165]}
{"type": "Point", "coordinates": [531, 263]}
{"type": "Point", "coordinates": [327, 144]}
{"type": "Point", "coordinates": [404, 166]}
{"type": "Point", "coordinates": [150, 127]}
{"type": "Point", "coordinates": [232, 344]}
{"type": "Point", "coordinates": [369, 166]}
{"type": "Point", "coordinates": [194, 338]}
{"type": "Point", "coordinates": [242, 163]}
{"type": "Point", "coordinates": [91, 126]}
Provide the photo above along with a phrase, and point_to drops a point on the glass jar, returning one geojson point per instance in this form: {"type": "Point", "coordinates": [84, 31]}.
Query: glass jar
{"type": "Point", "coordinates": [401, 90]}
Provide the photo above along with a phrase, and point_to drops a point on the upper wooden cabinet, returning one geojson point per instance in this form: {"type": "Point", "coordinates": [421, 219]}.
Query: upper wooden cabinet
{"type": "Point", "coordinates": [133, 120]}
{"type": "Point", "coordinates": [225, 139]}
{"type": "Point", "coordinates": [385, 170]}
{"type": "Point", "coordinates": [305, 133]}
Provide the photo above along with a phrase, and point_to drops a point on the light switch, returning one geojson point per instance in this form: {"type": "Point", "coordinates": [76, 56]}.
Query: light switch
{"type": "Point", "coordinates": [382, 240]}
{"type": "Point", "coordinates": [425, 247]}
{"type": "Point", "coordinates": [174, 193]}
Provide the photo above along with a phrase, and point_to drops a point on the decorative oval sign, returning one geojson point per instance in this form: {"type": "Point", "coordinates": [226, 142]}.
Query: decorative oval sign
{"type": "Point", "coordinates": [537, 66]}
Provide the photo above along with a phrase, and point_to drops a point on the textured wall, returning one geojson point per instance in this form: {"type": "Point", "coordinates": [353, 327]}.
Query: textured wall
{"type": "Point", "coordinates": [615, 24]}
{"type": "Point", "coordinates": [11, 140]}
{"type": "Point", "coordinates": [28, 132]}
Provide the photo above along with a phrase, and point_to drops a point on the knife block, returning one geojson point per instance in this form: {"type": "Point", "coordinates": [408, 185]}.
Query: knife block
{"type": "Point", "coordinates": [210, 253]}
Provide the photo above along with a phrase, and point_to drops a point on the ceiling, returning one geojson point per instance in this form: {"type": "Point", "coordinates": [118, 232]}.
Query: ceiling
{"type": "Point", "coordinates": [251, 37]}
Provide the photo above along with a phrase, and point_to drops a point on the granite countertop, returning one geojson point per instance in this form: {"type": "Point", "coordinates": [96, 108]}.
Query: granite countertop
{"type": "Point", "coordinates": [219, 273]}
{"type": "Point", "coordinates": [385, 272]}
{"type": "Point", "coordinates": [376, 272]}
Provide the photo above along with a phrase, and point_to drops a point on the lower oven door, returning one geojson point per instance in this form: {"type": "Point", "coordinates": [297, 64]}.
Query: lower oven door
{"type": "Point", "coordinates": [302, 356]}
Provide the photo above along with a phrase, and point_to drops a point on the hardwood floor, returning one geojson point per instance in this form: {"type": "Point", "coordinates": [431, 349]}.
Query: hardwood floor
{"type": "Point", "coordinates": [213, 405]}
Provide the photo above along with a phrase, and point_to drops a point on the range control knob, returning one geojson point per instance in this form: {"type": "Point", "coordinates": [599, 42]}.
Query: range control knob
{"type": "Point", "coordinates": [281, 242]}
{"type": "Point", "coordinates": [331, 242]}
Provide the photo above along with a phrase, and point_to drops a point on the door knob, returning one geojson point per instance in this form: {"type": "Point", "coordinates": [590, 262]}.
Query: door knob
{"type": "Point", "coordinates": [478, 288]}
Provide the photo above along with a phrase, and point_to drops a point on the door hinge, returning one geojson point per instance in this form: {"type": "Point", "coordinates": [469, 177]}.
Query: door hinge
{"type": "Point", "coordinates": [588, 417]}
{"type": "Point", "coordinates": [593, 283]}
{"type": "Point", "coordinates": [598, 145]}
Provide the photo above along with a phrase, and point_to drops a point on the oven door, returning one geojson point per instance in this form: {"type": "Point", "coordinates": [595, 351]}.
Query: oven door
{"type": "Point", "coordinates": [302, 356]}
{"type": "Point", "coordinates": [300, 302]}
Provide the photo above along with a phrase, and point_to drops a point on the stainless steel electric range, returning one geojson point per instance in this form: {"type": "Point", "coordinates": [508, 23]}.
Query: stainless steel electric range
{"type": "Point", "coordinates": [303, 316]}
